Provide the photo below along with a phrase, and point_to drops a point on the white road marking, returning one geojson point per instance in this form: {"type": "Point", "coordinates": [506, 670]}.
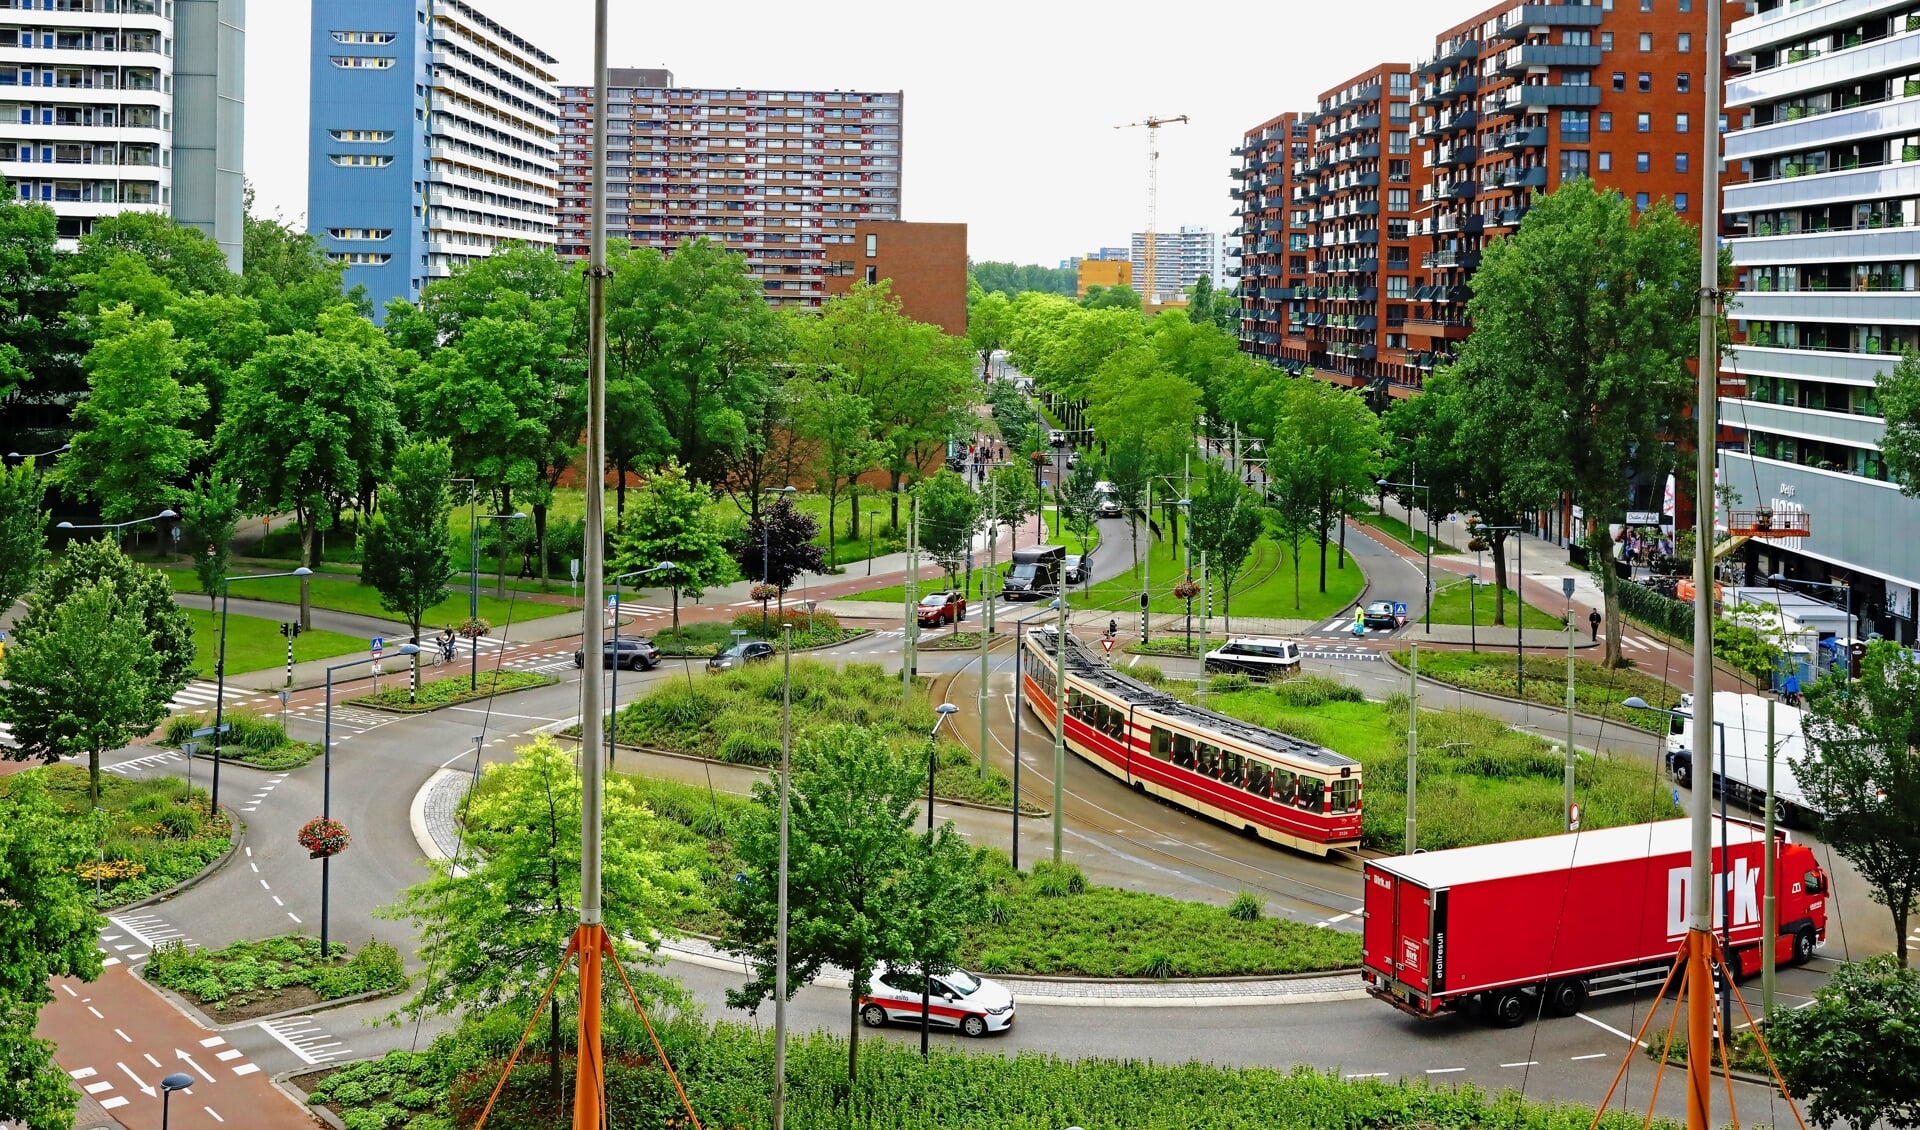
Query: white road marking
{"type": "Point", "coordinates": [123, 1035]}
{"type": "Point", "coordinates": [84, 1073]}
{"type": "Point", "coordinates": [1366, 1075]}
{"type": "Point", "coordinates": [1443, 1070]}
{"type": "Point", "coordinates": [96, 1013]}
{"type": "Point", "coordinates": [1609, 1028]}
{"type": "Point", "coordinates": [214, 1113]}
{"type": "Point", "coordinates": [96, 1088]}
{"type": "Point", "coordinates": [110, 1104]}
{"type": "Point", "coordinates": [292, 915]}
{"type": "Point", "coordinates": [1523, 1063]}
{"type": "Point", "coordinates": [230, 1053]}
{"type": "Point", "coordinates": [150, 1059]}
{"type": "Point", "coordinates": [70, 993]}
{"type": "Point", "coordinates": [213, 1041]}
{"type": "Point", "coordinates": [246, 1069]}
{"type": "Point", "coordinates": [1595, 1055]}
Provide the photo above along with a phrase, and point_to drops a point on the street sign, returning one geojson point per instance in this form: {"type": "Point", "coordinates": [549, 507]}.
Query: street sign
{"type": "Point", "coordinates": [1566, 587]}
{"type": "Point", "coordinates": [1107, 642]}
{"type": "Point", "coordinates": [209, 731]}
{"type": "Point", "coordinates": [284, 696]}
{"type": "Point", "coordinates": [613, 601]}
{"type": "Point", "coordinates": [1573, 823]}
{"type": "Point", "coordinates": [379, 645]}
{"type": "Point", "coordinates": [573, 565]}
{"type": "Point", "coordinates": [1399, 608]}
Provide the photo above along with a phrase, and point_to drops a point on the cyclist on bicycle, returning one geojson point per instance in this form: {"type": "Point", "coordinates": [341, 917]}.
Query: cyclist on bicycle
{"type": "Point", "coordinates": [446, 645]}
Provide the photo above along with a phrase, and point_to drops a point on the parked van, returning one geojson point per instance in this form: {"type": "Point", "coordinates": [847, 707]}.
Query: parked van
{"type": "Point", "coordinates": [1036, 572]}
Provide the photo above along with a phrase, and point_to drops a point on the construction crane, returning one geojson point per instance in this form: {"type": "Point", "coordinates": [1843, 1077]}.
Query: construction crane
{"type": "Point", "coordinates": [1148, 288]}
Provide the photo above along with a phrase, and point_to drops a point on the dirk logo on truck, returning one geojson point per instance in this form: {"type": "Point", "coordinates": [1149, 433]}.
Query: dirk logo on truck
{"type": "Point", "coordinates": [1744, 883]}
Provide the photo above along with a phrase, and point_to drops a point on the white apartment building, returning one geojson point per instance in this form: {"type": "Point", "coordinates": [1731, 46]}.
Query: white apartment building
{"type": "Point", "coordinates": [91, 121]}
{"type": "Point", "coordinates": [1181, 258]}
{"type": "Point", "coordinates": [1827, 114]}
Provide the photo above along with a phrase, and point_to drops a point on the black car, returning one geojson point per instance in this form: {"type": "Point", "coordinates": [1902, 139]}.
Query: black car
{"type": "Point", "coordinates": [740, 654]}
{"type": "Point", "coordinates": [636, 653]}
{"type": "Point", "coordinates": [1075, 571]}
{"type": "Point", "coordinates": [1379, 614]}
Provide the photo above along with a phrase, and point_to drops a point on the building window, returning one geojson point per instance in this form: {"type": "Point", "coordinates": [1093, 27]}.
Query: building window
{"type": "Point", "coordinates": [1396, 286]}
{"type": "Point", "coordinates": [1397, 142]}
{"type": "Point", "coordinates": [1397, 198]}
{"type": "Point", "coordinates": [1574, 125]}
{"type": "Point", "coordinates": [1400, 82]}
{"type": "Point", "coordinates": [873, 274]}
{"type": "Point", "coordinates": [1581, 38]}
{"type": "Point", "coordinates": [1646, 5]}
{"type": "Point", "coordinates": [1646, 83]}
{"type": "Point", "coordinates": [1686, 5]}
{"type": "Point", "coordinates": [1620, 81]}
{"type": "Point", "coordinates": [359, 233]}
{"type": "Point", "coordinates": [1573, 164]}
{"type": "Point", "coordinates": [1640, 201]}
{"type": "Point", "coordinates": [1680, 202]}
{"type": "Point", "coordinates": [361, 160]}
{"type": "Point", "coordinates": [1606, 122]}
{"type": "Point", "coordinates": [359, 258]}
{"type": "Point", "coordinates": [1683, 82]}
{"type": "Point", "coordinates": [376, 38]}
{"type": "Point", "coordinates": [1576, 78]}
{"type": "Point", "coordinates": [873, 245]}
{"type": "Point", "coordinates": [1643, 122]}
{"type": "Point", "coordinates": [1606, 41]}
{"type": "Point", "coordinates": [1686, 42]}
{"type": "Point", "coordinates": [1681, 122]}
{"type": "Point", "coordinates": [362, 62]}
{"type": "Point", "coordinates": [1646, 41]}
{"type": "Point", "coordinates": [1681, 161]}
{"type": "Point", "coordinates": [1604, 162]}
{"type": "Point", "coordinates": [1643, 162]}
{"type": "Point", "coordinates": [372, 135]}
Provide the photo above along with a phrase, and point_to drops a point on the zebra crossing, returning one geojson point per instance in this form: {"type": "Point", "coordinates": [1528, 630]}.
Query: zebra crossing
{"type": "Point", "coordinates": [129, 767]}
{"type": "Point", "coordinates": [199, 694]}
{"type": "Point", "coordinates": [543, 663]}
{"type": "Point", "coordinates": [306, 1038]}
{"type": "Point", "coordinates": [347, 720]}
{"type": "Point", "coordinates": [142, 932]}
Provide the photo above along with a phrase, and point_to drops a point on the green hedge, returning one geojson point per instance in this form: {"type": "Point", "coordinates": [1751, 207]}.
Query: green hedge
{"type": "Point", "coordinates": [451, 690]}
{"type": "Point", "coordinates": [1661, 613]}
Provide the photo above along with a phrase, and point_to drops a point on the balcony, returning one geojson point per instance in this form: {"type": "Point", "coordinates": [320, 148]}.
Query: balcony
{"type": "Point", "coordinates": [1448, 88]}
{"type": "Point", "coordinates": [1449, 155]}
{"type": "Point", "coordinates": [1535, 138]}
{"type": "Point", "coordinates": [1454, 122]}
{"type": "Point", "coordinates": [1463, 49]}
{"type": "Point", "coordinates": [1443, 329]}
{"type": "Point", "coordinates": [1517, 23]}
{"type": "Point", "coordinates": [1452, 223]}
{"type": "Point", "coordinates": [1277, 293]}
{"type": "Point", "coordinates": [1465, 260]}
{"type": "Point", "coordinates": [1527, 56]}
{"type": "Point", "coordinates": [1541, 97]}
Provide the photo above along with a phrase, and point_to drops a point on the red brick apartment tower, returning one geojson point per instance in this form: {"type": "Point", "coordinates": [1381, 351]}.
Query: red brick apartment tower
{"type": "Point", "coordinates": [1273, 249]}
{"type": "Point", "coordinates": [926, 263]}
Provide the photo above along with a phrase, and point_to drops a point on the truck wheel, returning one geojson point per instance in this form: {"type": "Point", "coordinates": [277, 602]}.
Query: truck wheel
{"type": "Point", "coordinates": [1509, 1009]}
{"type": "Point", "coordinates": [1564, 998]}
{"type": "Point", "coordinates": [1802, 945]}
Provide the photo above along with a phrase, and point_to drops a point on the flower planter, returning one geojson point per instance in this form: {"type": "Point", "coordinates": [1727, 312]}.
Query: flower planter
{"type": "Point", "coordinates": [323, 838]}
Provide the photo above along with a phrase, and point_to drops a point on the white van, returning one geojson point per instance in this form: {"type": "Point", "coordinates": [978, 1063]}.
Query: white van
{"type": "Point", "coordinates": [1255, 656]}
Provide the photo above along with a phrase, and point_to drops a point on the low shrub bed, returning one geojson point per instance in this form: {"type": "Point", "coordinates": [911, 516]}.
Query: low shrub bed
{"type": "Point", "coordinates": [254, 739]}
{"type": "Point", "coordinates": [249, 979]}
{"type": "Point", "coordinates": [724, 1068]}
{"type": "Point", "coordinates": [735, 716]}
{"type": "Point", "coordinates": [1597, 689]}
{"type": "Point", "coordinates": [699, 640]}
{"type": "Point", "coordinates": [1168, 645]}
{"type": "Point", "coordinates": [953, 641]}
{"type": "Point", "coordinates": [1480, 780]}
{"type": "Point", "coordinates": [155, 831]}
{"type": "Point", "coordinates": [450, 691]}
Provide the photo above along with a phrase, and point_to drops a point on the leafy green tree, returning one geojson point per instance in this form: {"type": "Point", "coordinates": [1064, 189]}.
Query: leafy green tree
{"type": "Point", "coordinates": [183, 256]}
{"type": "Point", "coordinates": [1079, 505]}
{"type": "Point", "coordinates": [82, 678]}
{"type": "Point", "coordinates": [1209, 307]}
{"type": "Point", "coordinates": [1339, 438]}
{"type": "Point", "coordinates": [1850, 1050]}
{"type": "Point", "coordinates": [132, 442]}
{"type": "Point", "coordinates": [673, 521]}
{"type": "Point", "coordinates": [48, 930]}
{"type": "Point", "coordinates": [838, 427]}
{"type": "Point", "coordinates": [1861, 773]}
{"type": "Point", "coordinates": [1587, 319]}
{"type": "Point", "coordinates": [215, 335]}
{"type": "Point", "coordinates": [918, 380]}
{"type": "Point", "coordinates": [1225, 525]}
{"type": "Point", "coordinates": [1010, 498]}
{"type": "Point", "coordinates": [1015, 278]}
{"type": "Point", "coordinates": [1111, 298]}
{"type": "Point", "coordinates": [989, 318]}
{"type": "Point", "coordinates": [408, 553]}
{"type": "Point", "coordinates": [862, 887]}
{"type": "Point", "coordinates": [23, 530]}
{"type": "Point", "coordinates": [209, 515]}
{"type": "Point", "coordinates": [144, 589]}
{"type": "Point", "coordinates": [1292, 491]}
{"type": "Point", "coordinates": [288, 274]}
{"type": "Point", "coordinates": [696, 332]}
{"type": "Point", "coordinates": [32, 333]}
{"type": "Point", "coordinates": [307, 419]}
{"type": "Point", "coordinates": [949, 515]}
{"type": "Point", "coordinates": [1748, 638]}
{"type": "Point", "coordinates": [1128, 470]}
{"type": "Point", "coordinates": [495, 922]}
{"type": "Point", "coordinates": [1899, 394]}
{"type": "Point", "coordinates": [1013, 414]}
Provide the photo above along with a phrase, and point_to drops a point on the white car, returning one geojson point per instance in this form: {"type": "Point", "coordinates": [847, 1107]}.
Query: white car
{"type": "Point", "coordinates": [1056, 437]}
{"type": "Point", "coordinates": [957, 999]}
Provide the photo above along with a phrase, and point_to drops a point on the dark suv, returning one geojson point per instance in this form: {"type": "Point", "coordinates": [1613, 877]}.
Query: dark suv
{"type": "Point", "coordinates": [742, 653]}
{"type": "Point", "coordinates": [635, 653]}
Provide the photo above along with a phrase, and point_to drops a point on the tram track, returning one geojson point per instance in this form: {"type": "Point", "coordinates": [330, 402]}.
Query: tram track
{"type": "Point", "coordinates": [1162, 847]}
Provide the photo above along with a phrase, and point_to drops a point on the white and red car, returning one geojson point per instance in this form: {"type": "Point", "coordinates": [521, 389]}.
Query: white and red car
{"type": "Point", "coordinates": [973, 1005]}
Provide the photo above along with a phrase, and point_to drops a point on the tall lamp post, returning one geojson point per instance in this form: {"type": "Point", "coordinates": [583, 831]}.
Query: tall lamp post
{"type": "Point", "coordinates": [870, 516]}
{"type": "Point", "coordinates": [178, 1081]}
{"type": "Point", "coordinates": [1726, 860]}
{"type": "Point", "coordinates": [326, 783]}
{"type": "Point", "coordinates": [1852, 630]}
{"type": "Point", "coordinates": [946, 711]}
{"type": "Point", "coordinates": [1059, 721]}
{"type": "Point", "coordinates": [1426, 508]}
{"type": "Point", "coordinates": [1520, 603]}
{"type": "Point", "coordinates": [220, 672]}
{"type": "Point", "coordinates": [613, 705]}
{"type": "Point", "coordinates": [780, 926]}
{"type": "Point", "coordinates": [766, 554]}
{"type": "Point", "coordinates": [473, 583]}
{"type": "Point", "coordinates": [16, 457]}
{"type": "Point", "coordinates": [1019, 698]}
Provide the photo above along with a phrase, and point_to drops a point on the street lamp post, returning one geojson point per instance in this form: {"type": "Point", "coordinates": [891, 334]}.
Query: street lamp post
{"type": "Point", "coordinates": [16, 457]}
{"type": "Point", "coordinates": [1426, 508]}
{"type": "Point", "coordinates": [1726, 860]}
{"type": "Point", "coordinates": [780, 928]}
{"type": "Point", "coordinates": [1852, 631]}
{"type": "Point", "coordinates": [473, 584]}
{"type": "Point", "coordinates": [178, 1081]}
{"type": "Point", "coordinates": [1019, 699]}
{"type": "Point", "coordinates": [946, 711]}
{"type": "Point", "coordinates": [220, 673]}
{"type": "Point", "coordinates": [1059, 722]}
{"type": "Point", "coordinates": [870, 516]}
{"type": "Point", "coordinates": [613, 706]}
{"type": "Point", "coordinates": [326, 784]}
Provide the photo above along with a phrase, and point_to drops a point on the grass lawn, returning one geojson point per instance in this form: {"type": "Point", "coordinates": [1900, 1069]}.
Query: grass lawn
{"type": "Point", "coordinates": [1596, 688]}
{"type": "Point", "coordinates": [343, 595]}
{"type": "Point", "coordinates": [896, 594]}
{"type": "Point", "coordinates": [1494, 783]}
{"type": "Point", "coordinates": [1456, 603]}
{"type": "Point", "coordinates": [157, 834]}
{"type": "Point", "coordinates": [1396, 528]}
{"type": "Point", "coordinates": [1263, 588]}
{"type": "Point", "coordinates": [254, 644]}
{"type": "Point", "coordinates": [450, 691]}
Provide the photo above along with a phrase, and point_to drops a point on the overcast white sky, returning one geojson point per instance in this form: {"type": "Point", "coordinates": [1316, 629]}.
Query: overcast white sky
{"type": "Point", "coordinates": [1010, 107]}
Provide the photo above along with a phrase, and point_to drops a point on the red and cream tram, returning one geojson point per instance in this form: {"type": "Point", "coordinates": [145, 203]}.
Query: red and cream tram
{"type": "Point", "coordinates": [1289, 791]}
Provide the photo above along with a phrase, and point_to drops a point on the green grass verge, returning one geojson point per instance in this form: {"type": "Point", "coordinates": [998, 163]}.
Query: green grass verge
{"type": "Point", "coordinates": [1456, 602]}
{"type": "Point", "coordinates": [1264, 588]}
{"type": "Point", "coordinates": [252, 739]}
{"type": "Point", "coordinates": [1396, 529]}
{"type": "Point", "coordinates": [698, 640]}
{"type": "Point", "coordinates": [343, 595]}
{"type": "Point", "coordinates": [897, 594]}
{"type": "Point", "coordinates": [1494, 783]}
{"type": "Point", "coordinates": [724, 1068]}
{"type": "Point", "coordinates": [450, 691]}
{"type": "Point", "coordinates": [1174, 646]}
{"type": "Point", "coordinates": [246, 973]}
{"type": "Point", "coordinates": [255, 644]}
{"type": "Point", "coordinates": [157, 833]}
{"type": "Point", "coordinates": [735, 716]}
{"type": "Point", "coordinates": [1597, 689]}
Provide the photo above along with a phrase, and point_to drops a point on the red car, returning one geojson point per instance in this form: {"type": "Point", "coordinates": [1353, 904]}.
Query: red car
{"type": "Point", "coordinates": [943, 608]}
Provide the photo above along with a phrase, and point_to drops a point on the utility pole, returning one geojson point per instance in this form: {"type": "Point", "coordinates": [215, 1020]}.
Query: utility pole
{"type": "Point", "coordinates": [1413, 737]}
{"type": "Point", "coordinates": [1205, 608]}
{"type": "Point", "coordinates": [1568, 808]}
{"type": "Point", "coordinates": [909, 660]}
{"type": "Point", "coordinates": [1146, 568]}
{"type": "Point", "coordinates": [1059, 726]}
{"type": "Point", "coordinates": [1769, 921]}
{"type": "Point", "coordinates": [986, 625]}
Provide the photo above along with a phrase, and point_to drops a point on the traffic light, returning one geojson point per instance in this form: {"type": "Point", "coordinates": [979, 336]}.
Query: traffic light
{"type": "Point", "coordinates": [291, 630]}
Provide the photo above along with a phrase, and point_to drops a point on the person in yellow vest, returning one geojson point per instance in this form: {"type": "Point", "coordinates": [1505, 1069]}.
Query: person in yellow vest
{"type": "Point", "coordinates": [1359, 622]}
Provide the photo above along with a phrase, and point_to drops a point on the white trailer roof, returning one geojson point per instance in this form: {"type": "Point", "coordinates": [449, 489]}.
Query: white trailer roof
{"type": "Point", "coordinates": [1745, 719]}
{"type": "Point", "coordinates": [1437, 869]}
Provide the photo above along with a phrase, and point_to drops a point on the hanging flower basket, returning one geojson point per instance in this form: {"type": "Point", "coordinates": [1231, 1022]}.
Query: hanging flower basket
{"type": "Point", "coordinates": [1479, 545]}
{"type": "Point", "coordinates": [475, 628]}
{"type": "Point", "coordinates": [764, 592]}
{"type": "Point", "coordinates": [1186, 590]}
{"type": "Point", "coordinates": [322, 838]}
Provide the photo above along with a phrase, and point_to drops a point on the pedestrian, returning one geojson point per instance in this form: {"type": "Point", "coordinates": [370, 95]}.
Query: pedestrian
{"type": "Point", "coordinates": [1359, 622]}
{"type": "Point", "coordinates": [1113, 629]}
{"type": "Point", "coordinates": [1593, 621]}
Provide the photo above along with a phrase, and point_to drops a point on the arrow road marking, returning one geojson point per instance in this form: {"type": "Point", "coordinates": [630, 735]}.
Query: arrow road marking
{"type": "Point", "coordinates": [199, 1070]}
{"type": "Point", "coordinates": [138, 1082]}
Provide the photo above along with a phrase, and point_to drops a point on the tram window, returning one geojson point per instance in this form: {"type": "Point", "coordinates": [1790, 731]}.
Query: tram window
{"type": "Point", "coordinates": [1209, 759]}
{"type": "Point", "coordinates": [1310, 793]}
{"type": "Point", "coordinates": [1230, 767]}
{"type": "Point", "coordinates": [1286, 786]}
{"type": "Point", "coordinates": [1259, 778]}
{"type": "Point", "coordinates": [1346, 795]}
{"type": "Point", "coordinates": [1117, 723]}
{"type": "Point", "coordinates": [1162, 743]}
{"type": "Point", "coordinates": [1183, 750]}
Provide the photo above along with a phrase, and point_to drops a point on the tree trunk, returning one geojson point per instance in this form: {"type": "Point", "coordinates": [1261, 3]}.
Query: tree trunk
{"type": "Point", "coordinates": [500, 560]}
{"type": "Point", "coordinates": [853, 520]}
{"type": "Point", "coordinates": [1500, 580]}
{"type": "Point", "coordinates": [1323, 561]}
{"type": "Point", "coordinates": [1610, 589]}
{"type": "Point", "coordinates": [1343, 534]}
{"type": "Point", "coordinates": [833, 504]}
{"type": "Point", "coordinates": [676, 612]}
{"type": "Point", "coordinates": [895, 475]}
{"type": "Point", "coordinates": [1296, 574]}
{"type": "Point", "coordinates": [306, 586]}
{"type": "Point", "coordinates": [853, 1045]}
{"type": "Point", "coordinates": [1899, 908]}
{"type": "Point", "coordinates": [619, 496]}
{"type": "Point", "coordinates": [93, 779]}
{"type": "Point", "coordinates": [553, 1056]}
{"type": "Point", "coordinates": [540, 541]}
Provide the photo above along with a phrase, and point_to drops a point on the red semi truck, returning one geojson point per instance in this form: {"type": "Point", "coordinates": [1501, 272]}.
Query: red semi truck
{"type": "Point", "coordinates": [1507, 930]}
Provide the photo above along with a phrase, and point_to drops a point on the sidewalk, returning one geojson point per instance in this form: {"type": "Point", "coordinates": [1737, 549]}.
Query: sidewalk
{"type": "Point", "coordinates": [433, 827]}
